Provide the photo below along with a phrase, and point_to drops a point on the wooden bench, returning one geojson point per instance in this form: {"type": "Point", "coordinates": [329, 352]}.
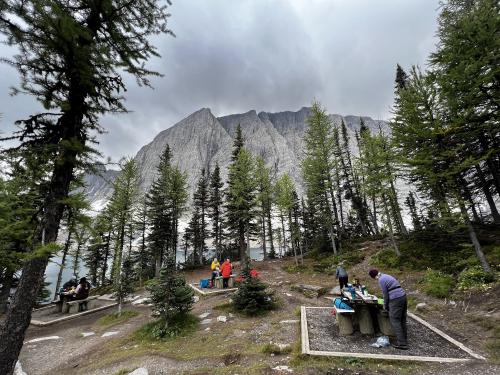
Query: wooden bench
{"type": "Point", "coordinates": [80, 305]}
{"type": "Point", "coordinates": [344, 320]}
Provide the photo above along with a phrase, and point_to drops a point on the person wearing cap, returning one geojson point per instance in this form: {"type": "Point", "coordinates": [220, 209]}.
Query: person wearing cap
{"type": "Point", "coordinates": [395, 302]}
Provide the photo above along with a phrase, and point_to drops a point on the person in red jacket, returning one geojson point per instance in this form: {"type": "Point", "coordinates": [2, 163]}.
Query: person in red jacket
{"type": "Point", "coordinates": [225, 270]}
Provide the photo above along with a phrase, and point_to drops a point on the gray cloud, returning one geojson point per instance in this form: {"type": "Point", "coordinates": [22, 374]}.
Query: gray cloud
{"type": "Point", "coordinates": [233, 56]}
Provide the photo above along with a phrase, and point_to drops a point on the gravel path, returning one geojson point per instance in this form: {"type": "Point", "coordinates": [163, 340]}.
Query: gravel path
{"type": "Point", "coordinates": [324, 336]}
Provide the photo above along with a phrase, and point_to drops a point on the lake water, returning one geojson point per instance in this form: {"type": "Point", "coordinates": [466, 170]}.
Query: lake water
{"type": "Point", "coordinates": [52, 269]}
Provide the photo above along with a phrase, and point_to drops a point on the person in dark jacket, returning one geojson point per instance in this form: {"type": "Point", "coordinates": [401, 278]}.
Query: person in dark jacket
{"type": "Point", "coordinates": [342, 275]}
{"type": "Point", "coordinates": [83, 289]}
{"type": "Point", "coordinates": [395, 302]}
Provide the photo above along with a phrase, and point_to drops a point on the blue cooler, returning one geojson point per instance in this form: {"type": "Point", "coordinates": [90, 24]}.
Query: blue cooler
{"type": "Point", "coordinates": [339, 304]}
{"type": "Point", "coordinates": [204, 283]}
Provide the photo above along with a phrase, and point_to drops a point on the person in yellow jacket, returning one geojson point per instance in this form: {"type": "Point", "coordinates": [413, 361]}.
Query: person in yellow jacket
{"type": "Point", "coordinates": [215, 270]}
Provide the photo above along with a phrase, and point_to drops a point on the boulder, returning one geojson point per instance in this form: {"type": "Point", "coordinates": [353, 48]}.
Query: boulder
{"type": "Point", "coordinates": [311, 291]}
{"type": "Point", "coordinates": [421, 306]}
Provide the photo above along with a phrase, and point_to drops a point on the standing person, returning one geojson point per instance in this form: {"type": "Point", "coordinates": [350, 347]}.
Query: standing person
{"type": "Point", "coordinates": [395, 302]}
{"type": "Point", "coordinates": [215, 270]}
{"type": "Point", "coordinates": [341, 274]}
{"type": "Point", "coordinates": [226, 270]}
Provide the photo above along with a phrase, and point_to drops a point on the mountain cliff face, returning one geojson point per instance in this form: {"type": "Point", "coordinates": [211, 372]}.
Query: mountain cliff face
{"type": "Point", "coordinates": [201, 140]}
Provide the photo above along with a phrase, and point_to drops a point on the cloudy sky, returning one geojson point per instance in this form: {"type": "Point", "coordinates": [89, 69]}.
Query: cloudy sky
{"type": "Point", "coordinates": [275, 55]}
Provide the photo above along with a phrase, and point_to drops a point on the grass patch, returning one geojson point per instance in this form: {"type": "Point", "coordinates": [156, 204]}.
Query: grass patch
{"type": "Point", "coordinates": [275, 349]}
{"type": "Point", "coordinates": [493, 346]}
{"type": "Point", "coordinates": [114, 318]}
{"type": "Point", "coordinates": [437, 284]}
{"type": "Point", "coordinates": [180, 325]}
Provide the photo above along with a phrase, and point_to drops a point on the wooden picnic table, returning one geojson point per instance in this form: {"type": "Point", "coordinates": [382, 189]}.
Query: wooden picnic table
{"type": "Point", "coordinates": [360, 297]}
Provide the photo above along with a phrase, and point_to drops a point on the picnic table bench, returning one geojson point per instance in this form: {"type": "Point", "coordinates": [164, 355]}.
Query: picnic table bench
{"type": "Point", "coordinates": [218, 282]}
{"type": "Point", "coordinates": [79, 305]}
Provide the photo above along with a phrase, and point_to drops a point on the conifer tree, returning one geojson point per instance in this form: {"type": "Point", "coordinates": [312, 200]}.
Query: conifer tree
{"type": "Point", "coordinates": [200, 202]}
{"type": "Point", "coordinates": [253, 296]}
{"type": "Point", "coordinates": [317, 172]}
{"type": "Point", "coordinates": [125, 286]}
{"type": "Point", "coordinates": [284, 198]}
{"type": "Point", "coordinates": [71, 59]}
{"type": "Point", "coordinates": [166, 200]}
{"type": "Point", "coordinates": [215, 206]}
{"type": "Point", "coordinates": [123, 203]}
{"type": "Point", "coordinates": [144, 264]}
{"type": "Point", "coordinates": [240, 196]}
{"type": "Point", "coordinates": [264, 199]}
{"type": "Point", "coordinates": [412, 207]}
{"type": "Point", "coordinates": [170, 296]}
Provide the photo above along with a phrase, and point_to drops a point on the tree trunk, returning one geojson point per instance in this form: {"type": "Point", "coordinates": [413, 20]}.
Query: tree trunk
{"type": "Point", "coordinates": [243, 252]}
{"type": "Point", "coordinates": [76, 266]}
{"type": "Point", "coordinates": [270, 230]}
{"type": "Point", "coordinates": [292, 237]}
{"type": "Point", "coordinates": [283, 236]}
{"type": "Point", "coordinates": [264, 250]}
{"type": "Point", "coordinates": [375, 223]}
{"type": "Point", "coordinates": [397, 208]}
{"type": "Point", "coordinates": [5, 291]}
{"type": "Point", "coordinates": [473, 237]}
{"type": "Point", "coordinates": [389, 224]}
{"type": "Point", "coordinates": [18, 316]}
{"type": "Point", "coordinates": [63, 260]}
{"type": "Point", "coordinates": [487, 194]}
{"type": "Point", "coordinates": [106, 256]}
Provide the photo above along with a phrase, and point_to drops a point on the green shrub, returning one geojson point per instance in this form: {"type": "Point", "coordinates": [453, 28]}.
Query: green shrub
{"type": "Point", "coordinates": [292, 268]}
{"type": "Point", "coordinates": [437, 284]}
{"type": "Point", "coordinates": [170, 295]}
{"type": "Point", "coordinates": [162, 329]}
{"type": "Point", "coordinates": [474, 277]}
{"type": "Point", "coordinates": [386, 258]}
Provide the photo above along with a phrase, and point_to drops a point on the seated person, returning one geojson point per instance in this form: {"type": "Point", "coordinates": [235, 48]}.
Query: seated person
{"type": "Point", "coordinates": [68, 286]}
{"type": "Point", "coordinates": [82, 292]}
{"type": "Point", "coordinates": [215, 270]}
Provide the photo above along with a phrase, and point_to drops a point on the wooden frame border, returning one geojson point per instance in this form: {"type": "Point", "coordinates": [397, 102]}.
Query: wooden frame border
{"type": "Point", "coordinates": [212, 292]}
{"type": "Point", "coordinates": [40, 323]}
{"type": "Point", "coordinates": [306, 348]}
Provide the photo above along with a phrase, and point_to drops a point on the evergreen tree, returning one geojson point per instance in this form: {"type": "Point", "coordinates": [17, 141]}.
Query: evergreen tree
{"type": "Point", "coordinates": [412, 207]}
{"type": "Point", "coordinates": [264, 200]}
{"type": "Point", "coordinates": [144, 263]}
{"type": "Point", "coordinates": [253, 296]}
{"type": "Point", "coordinates": [200, 202]}
{"type": "Point", "coordinates": [240, 197]}
{"type": "Point", "coordinates": [166, 200]}
{"type": "Point", "coordinates": [71, 59]}
{"type": "Point", "coordinates": [467, 71]}
{"type": "Point", "coordinates": [95, 254]}
{"type": "Point", "coordinates": [123, 204]}
{"type": "Point", "coordinates": [125, 286]}
{"type": "Point", "coordinates": [284, 198]}
{"type": "Point", "coordinates": [317, 172]}
{"type": "Point", "coordinates": [215, 206]}
{"type": "Point", "coordinates": [170, 296]}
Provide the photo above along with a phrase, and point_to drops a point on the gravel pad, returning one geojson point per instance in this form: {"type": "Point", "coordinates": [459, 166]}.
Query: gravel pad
{"type": "Point", "coordinates": [324, 336]}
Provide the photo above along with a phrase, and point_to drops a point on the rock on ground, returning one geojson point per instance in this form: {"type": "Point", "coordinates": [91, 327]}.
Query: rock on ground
{"type": "Point", "coordinates": [18, 370]}
{"type": "Point", "coordinates": [139, 371]}
{"type": "Point", "coordinates": [111, 333]}
{"type": "Point", "coordinates": [43, 339]}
